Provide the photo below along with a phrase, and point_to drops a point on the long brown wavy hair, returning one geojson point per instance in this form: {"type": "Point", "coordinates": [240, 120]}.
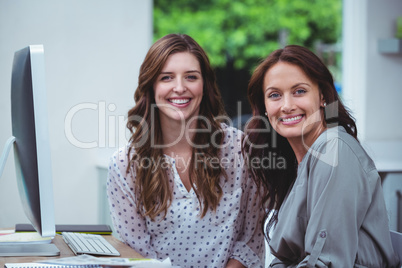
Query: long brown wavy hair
{"type": "Point", "coordinates": [276, 182]}
{"type": "Point", "coordinates": [152, 184]}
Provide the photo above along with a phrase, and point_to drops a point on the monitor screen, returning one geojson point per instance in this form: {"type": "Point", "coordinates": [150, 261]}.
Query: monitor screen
{"type": "Point", "coordinates": [31, 140]}
{"type": "Point", "coordinates": [31, 146]}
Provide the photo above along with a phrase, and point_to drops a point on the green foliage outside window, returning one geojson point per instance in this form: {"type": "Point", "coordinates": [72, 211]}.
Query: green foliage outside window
{"type": "Point", "coordinates": [241, 32]}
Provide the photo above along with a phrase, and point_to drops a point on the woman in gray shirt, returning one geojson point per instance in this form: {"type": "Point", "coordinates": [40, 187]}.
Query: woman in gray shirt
{"type": "Point", "coordinates": [323, 193]}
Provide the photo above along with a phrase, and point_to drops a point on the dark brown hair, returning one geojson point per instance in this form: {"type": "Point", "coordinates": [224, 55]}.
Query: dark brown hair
{"type": "Point", "coordinates": [276, 182]}
{"type": "Point", "coordinates": [152, 185]}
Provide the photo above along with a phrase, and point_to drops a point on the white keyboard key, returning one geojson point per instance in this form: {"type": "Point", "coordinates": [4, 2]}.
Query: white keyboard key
{"type": "Point", "coordinates": [92, 244]}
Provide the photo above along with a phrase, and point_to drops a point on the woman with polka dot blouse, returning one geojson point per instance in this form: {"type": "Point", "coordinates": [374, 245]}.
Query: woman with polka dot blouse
{"type": "Point", "coordinates": [180, 188]}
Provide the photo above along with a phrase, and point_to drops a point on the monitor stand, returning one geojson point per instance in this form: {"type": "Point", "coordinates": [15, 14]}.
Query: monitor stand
{"type": "Point", "coordinates": [6, 151]}
{"type": "Point", "coordinates": [23, 249]}
{"type": "Point", "coordinates": [14, 250]}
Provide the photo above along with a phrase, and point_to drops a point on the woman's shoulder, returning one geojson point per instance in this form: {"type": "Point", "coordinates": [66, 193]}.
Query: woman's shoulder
{"type": "Point", "coordinates": [123, 150]}
{"type": "Point", "coordinates": [336, 144]}
{"type": "Point", "coordinates": [232, 136]}
{"type": "Point", "coordinates": [231, 131]}
{"type": "Point", "coordinates": [120, 156]}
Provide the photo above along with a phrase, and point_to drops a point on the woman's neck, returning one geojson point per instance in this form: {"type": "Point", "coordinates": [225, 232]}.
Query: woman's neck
{"type": "Point", "coordinates": [178, 136]}
{"type": "Point", "coordinates": [301, 145]}
{"type": "Point", "coordinates": [177, 141]}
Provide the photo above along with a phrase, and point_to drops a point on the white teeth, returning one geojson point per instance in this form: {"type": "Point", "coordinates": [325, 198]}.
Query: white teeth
{"type": "Point", "coordinates": [179, 101]}
{"type": "Point", "coordinates": [292, 118]}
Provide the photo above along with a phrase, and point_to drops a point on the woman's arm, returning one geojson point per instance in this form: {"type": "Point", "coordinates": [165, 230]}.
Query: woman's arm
{"type": "Point", "coordinates": [338, 197]}
{"type": "Point", "coordinates": [128, 222]}
{"type": "Point", "coordinates": [249, 248]}
{"type": "Point", "coordinates": [249, 242]}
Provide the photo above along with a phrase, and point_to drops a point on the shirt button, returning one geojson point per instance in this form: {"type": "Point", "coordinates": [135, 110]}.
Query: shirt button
{"type": "Point", "coordinates": [323, 234]}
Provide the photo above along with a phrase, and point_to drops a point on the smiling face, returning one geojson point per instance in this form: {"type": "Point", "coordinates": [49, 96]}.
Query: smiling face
{"type": "Point", "coordinates": [292, 101]}
{"type": "Point", "coordinates": [178, 89]}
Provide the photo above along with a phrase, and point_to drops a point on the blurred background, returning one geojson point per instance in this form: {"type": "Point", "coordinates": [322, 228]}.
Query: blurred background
{"type": "Point", "coordinates": [94, 49]}
{"type": "Point", "coordinates": [238, 34]}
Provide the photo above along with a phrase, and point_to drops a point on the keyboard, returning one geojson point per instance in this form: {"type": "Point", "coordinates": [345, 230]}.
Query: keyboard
{"type": "Point", "coordinates": [92, 244]}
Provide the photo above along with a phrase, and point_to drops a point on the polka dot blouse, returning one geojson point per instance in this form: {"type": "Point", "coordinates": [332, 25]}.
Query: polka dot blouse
{"type": "Point", "coordinates": [232, 232]}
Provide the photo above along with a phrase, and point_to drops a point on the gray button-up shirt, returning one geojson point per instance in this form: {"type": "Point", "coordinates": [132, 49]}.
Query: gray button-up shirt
{"type": "Point", "coordinates": [335, 213]}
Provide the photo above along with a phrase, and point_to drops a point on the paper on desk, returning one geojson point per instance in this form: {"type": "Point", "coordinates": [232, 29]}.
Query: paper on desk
{"type": "Point", "coordinates": [17, 238]}
{"type": "Point", "coordinates": [84, 260]}
{"type": "Point", "coordinates": [7, 232]}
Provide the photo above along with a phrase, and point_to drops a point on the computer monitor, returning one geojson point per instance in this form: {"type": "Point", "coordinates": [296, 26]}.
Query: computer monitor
{"type": "Point", "coordinates": [31, 149]}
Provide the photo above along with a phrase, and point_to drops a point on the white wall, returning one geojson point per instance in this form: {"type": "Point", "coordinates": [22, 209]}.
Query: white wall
{"type": "Point", "coordinates": [372, 83]}
{"type": "Point", "coordinates": [372, 87]}
{"type": "Point", "coordinates": [384, 79]}
{"type": "Point", "coordinates": [93, 51]}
